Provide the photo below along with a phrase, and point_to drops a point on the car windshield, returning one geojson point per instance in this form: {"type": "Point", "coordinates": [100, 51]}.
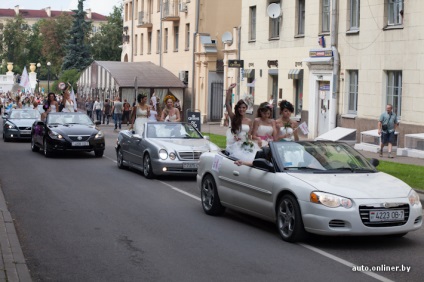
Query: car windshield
{"type": "Point", "coordinates": [68, 118]}
{"type": "Point", "coordinates": [320, 156]}
{"type": "Point", "coordinates": [172, 130]}
{"type": "Point", "coordinates": [25, 114]}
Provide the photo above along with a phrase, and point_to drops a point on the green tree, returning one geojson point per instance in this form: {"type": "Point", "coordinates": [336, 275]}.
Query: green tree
{"type": "Point", "coordinates": [55, 34]}
{"type": "Point", "coordinates": [105, 45]}
{"type": "Point", "coordinates": [15, 43]}
{"type": "Point", "coordinates": [70, 76]}
{"type": "Point", "coordinates": [77, 50]}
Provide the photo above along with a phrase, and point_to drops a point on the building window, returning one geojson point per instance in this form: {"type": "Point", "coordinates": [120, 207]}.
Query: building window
{"type": "Point", "coordinates": [299, 96]}
{"type": "Point", "coordinates": [176, 34]}
{"type": "Point", "coordinates": [354, 14]}
{"type": "Point", "coordinates": [300, 17]}
{"type": "Point", "coordinates": [274, 25]}
{"type": "Point", "coordinates": [141, 44]}
{"type": "Point", "coordinates": [394, 90]}
{"type": "Point", "coordinates": [252, 23]}
{"type": "Point", "coordinates": [325, 16]}
{"type": "Point", "coordinates": [353, 92]}
{"type": "Point", "coordinates": [149, 42]}
{"type": "Point", "coordinates": [395, 12]}
{"type": "Point", "coordinates": [187, 39]}
{"type": "Point", "coordinates": [135, 44]}
{"type": "Point", "coordinates": [158, 5]}
{"type": "Point", "coordinates": [165, 41]}
{"type": "Point", "coordinates": [157, 41]}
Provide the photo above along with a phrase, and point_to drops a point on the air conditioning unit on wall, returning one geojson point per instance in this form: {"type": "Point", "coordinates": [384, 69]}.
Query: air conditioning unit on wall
{"type": "Point", "coordinates": [182, 7]}
{"type": "Point", "coordinates": [183, 75]}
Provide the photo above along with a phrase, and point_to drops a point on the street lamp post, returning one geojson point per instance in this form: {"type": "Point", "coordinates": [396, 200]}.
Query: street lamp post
{"type": "Point", "coordinates": [38, 78]}
{"type": "Point", "coordinates": [48, 77]}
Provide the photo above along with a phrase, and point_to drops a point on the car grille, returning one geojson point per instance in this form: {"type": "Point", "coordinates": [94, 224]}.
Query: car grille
{"type": "Point", "coordinates": [364, 212]}
{"type": "Point", "coordinates": [336, 223]}
{"type": "Point", "coordinates": [189, 155]}
{"type": "Point", "coordinates": [25, 128]}
{"type": "Point", "coordinates": [75, 137]}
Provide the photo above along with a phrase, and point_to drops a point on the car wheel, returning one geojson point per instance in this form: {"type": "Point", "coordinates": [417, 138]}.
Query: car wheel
{"type": "Point", "coordinates": [99, 153]}
{"type": "Point", "coordinates": [5, 139]}
{"type": "Point", "coordinates": [147, 167]}
{"type": "Point", "coordinates": [34, 147]}
{"type": "Point", "coordinates": [120, 159]}
{"type": "Point", "coordinates": [46, 152]}
{"type": "Point", "coordinates": [289, 219]}
{"type": "Point", "coordinates": [210, 199]}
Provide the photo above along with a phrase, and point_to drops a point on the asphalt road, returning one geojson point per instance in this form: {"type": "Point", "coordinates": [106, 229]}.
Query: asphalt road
{"type": "Point", "coordinates": [80, 218]}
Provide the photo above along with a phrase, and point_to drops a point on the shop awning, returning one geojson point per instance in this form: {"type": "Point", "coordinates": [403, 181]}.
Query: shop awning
{"type": "Point", "coordinates": [295, 73]}
{"type": "Point", "coordinates": [249, 73]}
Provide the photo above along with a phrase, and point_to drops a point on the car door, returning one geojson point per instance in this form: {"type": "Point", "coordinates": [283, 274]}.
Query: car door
{"type": "Point", "coordinates": [136, 149]}
{"type": "Point", "coordinates": [254, 192]}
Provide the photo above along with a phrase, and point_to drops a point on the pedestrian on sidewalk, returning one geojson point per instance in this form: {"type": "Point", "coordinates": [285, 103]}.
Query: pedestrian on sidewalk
{"type": "Point", "coordinates": [106, 111]}
{"type": "Point", "coordinates": [98, 108]}
{"type": "Point", "coordinates": [117, 110]}
{"type": "Point", "coordinates": [387, 124]}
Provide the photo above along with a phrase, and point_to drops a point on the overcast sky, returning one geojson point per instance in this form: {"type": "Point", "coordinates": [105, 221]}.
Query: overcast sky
{"type": "Point", "coordinates": [104, 7]}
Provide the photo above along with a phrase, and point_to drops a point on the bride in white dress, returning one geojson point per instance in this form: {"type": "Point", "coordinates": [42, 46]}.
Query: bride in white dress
{"type": "Point", "coordinates": [287, 127]}
{"type": "Point", "coordinates": [264, 129]}
{"type": "Point", "coordinates": [239, 143]}
{"type": "Point", "coordinates": [140, 114]}
{"type": "Point", "coordinates": [68, 103]}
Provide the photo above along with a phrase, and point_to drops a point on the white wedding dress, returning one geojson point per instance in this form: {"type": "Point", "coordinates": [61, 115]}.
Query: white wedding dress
{"type": "Point", "coordinates": [141, 119]}
{"type": "Point", "coordinates": [236, 148]}
{"type": "Point", "coordinates": [69, 107]}
{"type": "Point", "coordinates": [287, 130]}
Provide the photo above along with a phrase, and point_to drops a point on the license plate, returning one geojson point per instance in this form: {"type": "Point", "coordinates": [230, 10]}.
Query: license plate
{"type": "Point", "coordinates": [190, 165]}
{"type": "Point", "coordinates": [80, 143]}
{"type": "Point", "coordinates": [386, 215]}
{"type": "Point", "coordinates": [25, 131]}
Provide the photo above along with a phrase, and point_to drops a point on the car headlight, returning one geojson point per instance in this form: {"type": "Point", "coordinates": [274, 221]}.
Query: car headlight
{"type": "Point", "coordinates": [414, 198]}
{"type": "Point", "coordinates": [163, 154]}
{"type": "Point", "coordinates": [172, 156]}
{"type": "Point", "coordinates": [10, 126]}
{"type": "Point", "coordinates": [99, 134]}
{"type": "Point", "coordinates": [55, 135]}
{"type": "Point", "coordinates": [330, 200]}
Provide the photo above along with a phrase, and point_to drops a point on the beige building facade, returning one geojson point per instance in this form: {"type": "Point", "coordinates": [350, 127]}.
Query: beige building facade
{"type": "Point", "coordinates": [185, 37]}
{"type": "Point", "coordinates": [338, 62]}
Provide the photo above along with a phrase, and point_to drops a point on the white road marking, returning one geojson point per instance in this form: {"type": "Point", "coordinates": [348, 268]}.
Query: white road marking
{"type": "Point", "coordinates": [316, 250]}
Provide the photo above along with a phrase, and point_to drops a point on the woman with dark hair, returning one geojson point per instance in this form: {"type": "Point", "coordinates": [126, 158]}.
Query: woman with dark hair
{"type": "Point", "coordinates": [239, 144]}
{"type": "Point", "coordinates": [286, 128]}
{"type": "Point", "coordinates": [140, 114]}
{"type": "Point", "coordinates": [264, 129]}
{"type": "Point", "coordinates": [51, 105]}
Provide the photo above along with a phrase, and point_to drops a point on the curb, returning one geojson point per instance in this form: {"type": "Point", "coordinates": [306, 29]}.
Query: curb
{"type": "Point", "coordinates": [12, 260]}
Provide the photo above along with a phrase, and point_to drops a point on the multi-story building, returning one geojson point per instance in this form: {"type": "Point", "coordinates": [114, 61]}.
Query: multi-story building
{"type": "Point", "coordinates": [185, 37]}
{"type": "Point", "coordinates": [339, 62]}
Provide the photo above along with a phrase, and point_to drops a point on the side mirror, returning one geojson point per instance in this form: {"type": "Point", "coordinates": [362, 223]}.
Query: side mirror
{"type": "Point", "coordinates": [264, 164]}
{"type": "Point", "coordinates": [206, 137]}
{"type": "Point", "coordinates": [138, 136]}
{"type": "Point", "coordinates": [374, 162]}
{"type": "Point", "coordinates": [97, 122]}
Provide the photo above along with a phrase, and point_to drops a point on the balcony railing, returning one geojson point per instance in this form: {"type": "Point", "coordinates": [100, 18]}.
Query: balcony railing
{"type": "Point", "coordinates": [144, 19]}
{"type": "Point", "coordinates": [171, 10]}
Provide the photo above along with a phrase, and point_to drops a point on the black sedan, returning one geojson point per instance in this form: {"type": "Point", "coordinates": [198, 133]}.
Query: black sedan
{"type": "Point", "coordinates": [18, 122]}
{"type": "Point", "coordinates": [67, 132]}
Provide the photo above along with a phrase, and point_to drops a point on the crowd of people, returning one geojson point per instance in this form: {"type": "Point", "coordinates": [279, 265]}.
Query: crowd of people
{"type": "Point", "coordinates": [245, 137]}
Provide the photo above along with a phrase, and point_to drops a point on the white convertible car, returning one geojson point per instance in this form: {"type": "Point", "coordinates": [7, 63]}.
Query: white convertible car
{"type": "Point", "coordinates": [320, 187]}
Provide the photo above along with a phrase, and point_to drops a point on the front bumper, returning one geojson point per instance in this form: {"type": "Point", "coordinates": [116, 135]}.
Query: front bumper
{"type": "Point", "coordinates": [17, 134]}
{"type": "Point", "coordinates": [166, 167]}
{"type": "Point", "coordinates": [65, 145]}
{"type": "Point", "coordinates": [322, 220]}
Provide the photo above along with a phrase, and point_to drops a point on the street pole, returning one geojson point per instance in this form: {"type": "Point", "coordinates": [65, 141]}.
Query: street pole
{"type": "Point", "coordinates": [48, 77]}
{"type": "Point", "coordinates": [38, 78]}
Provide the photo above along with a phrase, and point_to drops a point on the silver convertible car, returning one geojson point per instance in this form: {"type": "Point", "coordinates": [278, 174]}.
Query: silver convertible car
{"type": "Point", "coordinates": [163, 148]}
{"type": "Point", "coordinates": [17, 123]}
{"type": "Point", "coordinates": [319, 187]}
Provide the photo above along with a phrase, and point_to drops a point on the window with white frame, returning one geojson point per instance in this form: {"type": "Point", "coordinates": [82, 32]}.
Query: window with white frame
{"type": "Point", "coordinates": [300, 17]}
{"type": "Point", "coordinates": [394, 90]}
{"type": "Point", "coordinates": [274, 24]}
{"type": "Point", "coordinates": [354, 14]}
{"type": "Point", "coordinates": [394, 12]}
{"type": "Point", "coordinates": [252, 23]}
{"type": "Point", "coordinates": [141, 43]}
{"type": "Point", "coordinates": [157, 41]}
{"type": "Point", "coordinates": [325, 16]}
{"type": "Point", "coordinates": [187, 37]}
{"type": "Point", "coordinates": [165, 41]}
{"type": "Point", "coordinates": [149, 42]}
{"type": "Point", "coordinates": [353, 92]}
{"type": "Point", "coordinates": [176, 35]}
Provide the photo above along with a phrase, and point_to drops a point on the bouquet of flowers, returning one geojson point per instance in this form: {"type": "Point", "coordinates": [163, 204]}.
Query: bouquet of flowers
{"type": "Point", "coordinates": [247, 144]}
